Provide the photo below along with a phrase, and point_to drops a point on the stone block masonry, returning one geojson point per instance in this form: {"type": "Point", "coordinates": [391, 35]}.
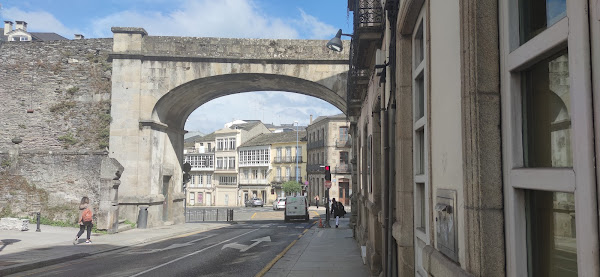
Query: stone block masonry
{"type": "Point", "coordinates": [55, 95]}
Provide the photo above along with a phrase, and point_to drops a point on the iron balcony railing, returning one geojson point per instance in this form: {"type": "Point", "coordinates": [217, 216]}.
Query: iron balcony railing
{"type": "Point", "coordinates": [283, 179]}
{"type": "Point", "coordinates": [315, 168]}
{"type": "Point", "coordinates": [287, 159]}
{"type": "Point", "coordinates": [342, 168]}
{"type": "Point", "coordinates": [368, 13]}
{"type": "Point", "coordinates": [253, 181]}
{"type": "Point", "coordinates": [315, 144]}
{"type": "Point", "coordinates": [342, 143]}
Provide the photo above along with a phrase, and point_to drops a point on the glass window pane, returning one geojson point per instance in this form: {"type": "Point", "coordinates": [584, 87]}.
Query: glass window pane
{"type": "Point", "coordinates": [421, 206]}
{"type": "Point", "coordinates": [420, 163]}
{"type": "Point", "coordinates": [420, 95]}
{"type": "Point", "coordinates": [537, 15]}
{"type": "Point", "coordinates": [546, 115]}
{"type": "Point", "coordinates": [551, 240]}
{"type": "Point", "coordinates": [419, 46]}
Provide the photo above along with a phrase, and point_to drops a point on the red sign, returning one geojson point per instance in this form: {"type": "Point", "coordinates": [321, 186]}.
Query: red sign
{"type": "Point", "coordinates": [328, 184]}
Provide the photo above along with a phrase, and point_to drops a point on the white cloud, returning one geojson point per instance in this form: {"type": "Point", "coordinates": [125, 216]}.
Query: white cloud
{"type": "Point", "coordinates": [269, 107]}
{"type": "Point", "coordinates": [40, 21]}
{"type": "Point", "coordinates": [316, 28]}
{"type": "Point", "coordinates": [207, 18]}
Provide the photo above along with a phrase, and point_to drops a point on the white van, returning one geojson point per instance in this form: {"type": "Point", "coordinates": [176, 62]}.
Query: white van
{"type": "Point", "coordinates": [296, 207]}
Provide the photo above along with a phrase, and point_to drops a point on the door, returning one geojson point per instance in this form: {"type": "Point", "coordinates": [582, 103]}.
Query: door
{"type": "Point", "coordinates": [166, 192]}
{"type": "Point", "coordinates": [208, 199]}
{"type": "Point", "coordinates": [344, 196]}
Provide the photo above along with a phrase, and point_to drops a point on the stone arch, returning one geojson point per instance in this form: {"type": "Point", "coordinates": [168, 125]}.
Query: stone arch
{"type": "Point", "coordinates": [157, 82]}
{"type": "Point", "coordinates": [175, 106]}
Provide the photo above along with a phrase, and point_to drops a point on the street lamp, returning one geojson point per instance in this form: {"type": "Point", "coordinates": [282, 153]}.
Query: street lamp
{"type": "Point", "coordinates": [335, 43]}
{"type": "Point", "coordinates": [296, 122]}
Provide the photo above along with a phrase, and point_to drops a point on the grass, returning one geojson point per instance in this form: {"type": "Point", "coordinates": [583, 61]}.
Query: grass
{"type": "Point", "coordinates": [47, 221]}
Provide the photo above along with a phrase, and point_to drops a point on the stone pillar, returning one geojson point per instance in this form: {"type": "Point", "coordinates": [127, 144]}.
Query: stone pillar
{"type": "Point", "coordinates": [108, 211]}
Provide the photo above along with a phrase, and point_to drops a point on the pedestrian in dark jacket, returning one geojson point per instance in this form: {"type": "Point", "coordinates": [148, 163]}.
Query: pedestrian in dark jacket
{"type": "Point", "coordinates": [85, 220]}
{"type": "Point", "coordinates": [337, 210]}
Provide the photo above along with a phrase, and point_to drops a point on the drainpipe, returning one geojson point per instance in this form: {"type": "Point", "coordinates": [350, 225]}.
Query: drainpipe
{"type": "Point", "coordinates": [390, 145]}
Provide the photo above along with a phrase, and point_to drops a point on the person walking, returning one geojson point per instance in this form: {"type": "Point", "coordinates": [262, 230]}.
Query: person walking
{"type": "Point", "coordinates": [85, 220]}
{"type": "Point", "coordinates": [317, 201]}
{"type": "Point", "coordinates": [337, 211]}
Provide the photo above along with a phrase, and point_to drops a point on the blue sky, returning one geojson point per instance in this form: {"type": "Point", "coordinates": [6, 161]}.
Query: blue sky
{"type": "Point", "coordinates": [296, 19]}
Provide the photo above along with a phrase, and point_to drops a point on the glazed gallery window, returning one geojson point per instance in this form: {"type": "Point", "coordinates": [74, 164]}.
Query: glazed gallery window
{"type": "Point", "coordinates": [546, 117]}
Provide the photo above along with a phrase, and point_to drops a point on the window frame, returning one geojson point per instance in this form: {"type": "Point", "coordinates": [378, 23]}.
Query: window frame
{"type": "Point", "coordinates": [571, 34]}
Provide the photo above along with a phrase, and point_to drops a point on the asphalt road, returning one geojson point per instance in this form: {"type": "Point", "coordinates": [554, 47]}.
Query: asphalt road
{"type": "Point", "coordinates": [243, 249]}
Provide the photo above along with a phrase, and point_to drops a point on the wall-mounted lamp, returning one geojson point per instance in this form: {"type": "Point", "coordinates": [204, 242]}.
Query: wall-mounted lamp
{"type": "Point", "coordinates": [335, 43]}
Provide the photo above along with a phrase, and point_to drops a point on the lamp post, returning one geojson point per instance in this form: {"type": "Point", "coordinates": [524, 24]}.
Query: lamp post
{"type": "Point", "coordinates": [335, 43]}
{"type": "Point", "coordinates": [296, 122]}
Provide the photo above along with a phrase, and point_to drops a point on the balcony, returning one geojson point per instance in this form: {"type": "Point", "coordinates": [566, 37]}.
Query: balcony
{"type": "Point", "coordinates": [315, 144]}
{"type": "Point", "coordinates": [287, 159]}
{"type": "Point", "coordinates": [283, 179]}
{"type": "Point", "coordinates": [315, 168]}
{"type": "Point", "coordinates": [253, 182]}
{"type": "Point", "coordinates": [342, 143]}
{"type": "Point", "coordinates": [342, 169]}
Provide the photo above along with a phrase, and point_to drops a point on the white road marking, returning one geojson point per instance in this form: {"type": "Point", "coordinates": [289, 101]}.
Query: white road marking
{"type": "Point", "coordinates": [244, 248]}
{"type": "Point", "coordinates": [191, 254]}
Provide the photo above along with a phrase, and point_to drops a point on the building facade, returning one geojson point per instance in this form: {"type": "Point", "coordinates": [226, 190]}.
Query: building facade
{"type": "Point", "coordinates": [201, 157]}
{"type": "Point", "coordinates": [288, 162]}
{"type": "Point", "coordinates": [329, 144]}
{"type": "Point", "coordinates": [474, 136]}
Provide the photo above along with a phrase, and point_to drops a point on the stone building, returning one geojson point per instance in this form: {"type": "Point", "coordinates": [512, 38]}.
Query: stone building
{"type": "Point", "coordinates": [328, 144]}
{"type": "Point", "coordinates": [201, 157]}
{"type": "Point", "coordinates": [269, 160]}
{"type": "Point", "coordinates": [473, 136]}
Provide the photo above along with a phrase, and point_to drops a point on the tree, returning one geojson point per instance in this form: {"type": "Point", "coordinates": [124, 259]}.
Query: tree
{"type": "Point", "coordinates": [291, 187]}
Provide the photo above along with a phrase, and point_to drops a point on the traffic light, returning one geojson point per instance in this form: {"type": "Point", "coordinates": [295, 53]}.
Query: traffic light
{"type": "Point", "coordinates": [327, 173]}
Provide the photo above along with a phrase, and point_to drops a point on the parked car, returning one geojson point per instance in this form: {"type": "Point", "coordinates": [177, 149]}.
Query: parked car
{"type": "Point", "coordinates": [253, 202]}
{"type": "Point", "coordinates": [279, 203]}
{"type": "Point", "coordinates": [296, 207]}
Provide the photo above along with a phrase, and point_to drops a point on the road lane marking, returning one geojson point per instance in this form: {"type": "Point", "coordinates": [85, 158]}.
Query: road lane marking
{"type": "Point", "coordinates": [191, 254]}
{"type": "Point", "coordinates": [243, 247]}
{"type": "Point", "coordinates": [252, 217]}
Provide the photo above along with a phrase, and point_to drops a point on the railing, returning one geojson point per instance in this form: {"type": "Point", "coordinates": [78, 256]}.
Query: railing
{"type": "Point", "coordinates": [283, 179]}
{"type": "Point", "coordinates": [228, 183]}
{"type": "Point", "coordinates": [210, 214]}
{"type": "Point", "coordinates": [253, 181]}
{"type": "Point", "coordinates": [342, 168]}
{"type": "Point", "coordinates": [342, 143]}
{"type": "Point", "coordinates": [287, 159]}
{"type": "Point", "coordinates": [315, 144]}
{"type": "Point", "coordinates": [368, 13]}
{"type": "Point", "coordinates": [315, 168]}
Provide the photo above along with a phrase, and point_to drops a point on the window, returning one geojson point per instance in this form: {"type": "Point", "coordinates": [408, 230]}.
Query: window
{"type": "Point", "coordinates": [343, 157]}
{"type": "Point", "coordinates": [552, 247]}
{"type": "Point", "coordinates": [231, 162]}
{"type": "Point", "coordinates": [220, 164]}
{"type": "Point", "coordinates": [548, 152]}
{"type": "Point", "coordinates": [232, 144]}
{"type": "Point", "coordinates": [208, 179]}
{"type": "Point", "coordinates": [344, 133]}
{"type": "Point", "coordinates": [221, 144]}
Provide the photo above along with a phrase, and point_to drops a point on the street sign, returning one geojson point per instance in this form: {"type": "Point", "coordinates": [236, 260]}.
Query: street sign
{"type": "Point", "coordinates": [328, 184]}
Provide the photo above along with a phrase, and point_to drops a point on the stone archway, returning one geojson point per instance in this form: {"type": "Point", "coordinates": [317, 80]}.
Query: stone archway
{"type": "Point", "coordinates": [158, 82]}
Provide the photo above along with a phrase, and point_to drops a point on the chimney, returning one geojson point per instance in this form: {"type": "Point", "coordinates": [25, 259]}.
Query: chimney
{"type": "Point", "coordinates": [7, 27]}
{"type": "Point", "coordinates": [310, 120]}
{"type": "Point", "coordinates": [21, 25]}
{"type": "Point", "coordinates": [78, 36]}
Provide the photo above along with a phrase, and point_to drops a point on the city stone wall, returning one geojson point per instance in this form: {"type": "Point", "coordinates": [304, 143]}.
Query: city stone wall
{"type": "Point", "coordinates": [52, 183]}
{"type": "Point", "coordinates": [56, 99]}
{"type": "Point", "coordinates": [55, 95]}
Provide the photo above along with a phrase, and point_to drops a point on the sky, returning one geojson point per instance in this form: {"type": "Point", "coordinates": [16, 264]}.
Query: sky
{"type": "Point", "coordinates": [277, 19]}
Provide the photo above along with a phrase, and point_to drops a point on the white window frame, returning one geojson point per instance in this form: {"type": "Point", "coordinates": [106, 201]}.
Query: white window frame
{"type": "Point", "coordinates": [420, 70]}
{"type": "Point", "coordinates": [570, 33]}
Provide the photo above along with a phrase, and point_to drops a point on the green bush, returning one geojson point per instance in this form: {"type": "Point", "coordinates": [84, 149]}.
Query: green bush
{"type": "Point", "coordinates": [291, 187]}
{"type": "Point", "coordinates": [68, 139]}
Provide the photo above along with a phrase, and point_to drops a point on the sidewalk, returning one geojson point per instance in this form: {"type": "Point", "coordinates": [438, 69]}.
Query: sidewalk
{"type": "Point", "coordinates": [323, 252]}
{"type": "Point", "coordinates": [21, 251]}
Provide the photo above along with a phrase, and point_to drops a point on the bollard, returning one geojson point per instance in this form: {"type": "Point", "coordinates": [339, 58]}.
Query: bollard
{"type": "Point", "coordinates": [142, 220]}
{"type": "Point", "coordinates": [38, 222]}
